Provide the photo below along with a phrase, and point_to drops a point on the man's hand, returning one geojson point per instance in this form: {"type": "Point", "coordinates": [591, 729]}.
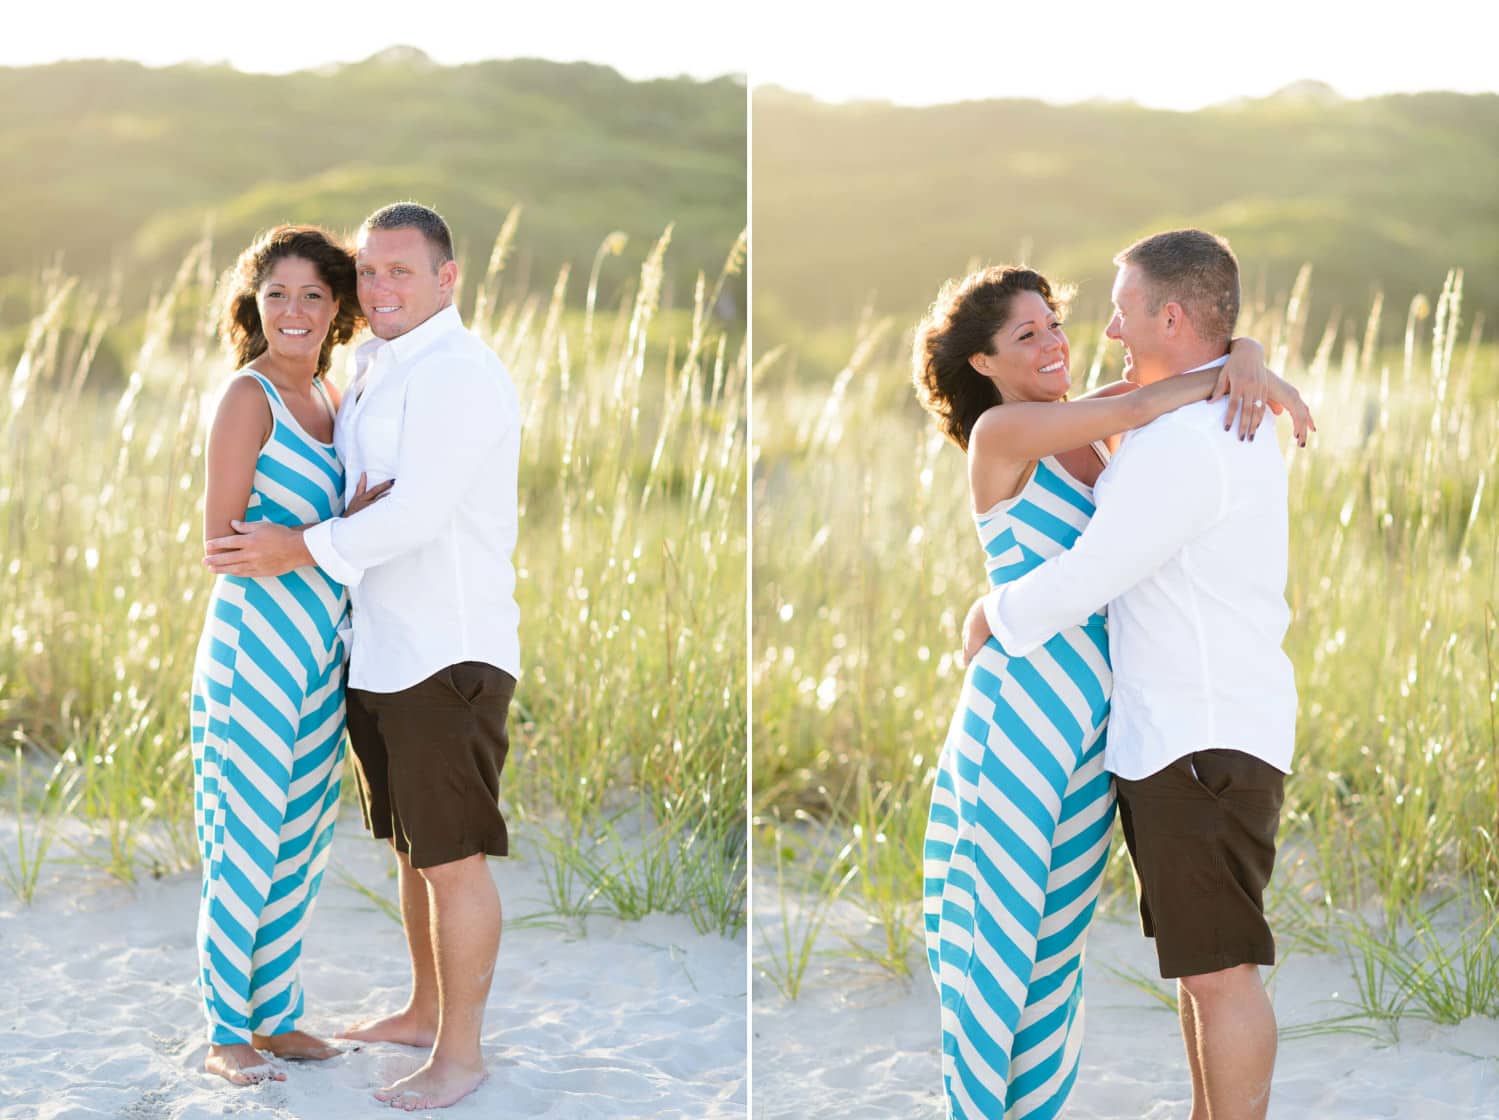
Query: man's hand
{"type": "Point", "coordinates": [259, 549]}
{"type": "Point", "coordinates": [975, 632]}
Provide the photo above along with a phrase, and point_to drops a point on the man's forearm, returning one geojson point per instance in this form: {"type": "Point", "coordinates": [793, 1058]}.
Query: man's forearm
{"type": "Point", "coordinates": [1163, 492]}
{"type": "Point", "coordinates": [1024, 616]}
{"type": "Point", "coordinates": [317, 541]}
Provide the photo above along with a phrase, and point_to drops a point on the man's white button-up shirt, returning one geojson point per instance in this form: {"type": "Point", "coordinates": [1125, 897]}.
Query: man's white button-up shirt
{"type": "Point", "coordinates": [1188, 547]}
{"type": "Point", "coordinates": [428, 566]}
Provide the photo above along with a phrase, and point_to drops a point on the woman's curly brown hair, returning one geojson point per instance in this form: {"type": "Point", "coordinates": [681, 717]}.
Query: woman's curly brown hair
{"type": "Point", "coordinates": [239, 318]}
{"type": "Point", "coordinates": [960, 323]}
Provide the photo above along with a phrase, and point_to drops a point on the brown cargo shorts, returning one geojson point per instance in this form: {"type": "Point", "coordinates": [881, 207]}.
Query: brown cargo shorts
{"type": "Point", "coordinates": [428, 760]}
{"type": "Point", "coordinates": [1203, 847]}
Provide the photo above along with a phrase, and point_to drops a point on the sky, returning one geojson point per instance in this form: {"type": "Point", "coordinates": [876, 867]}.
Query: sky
{"type": "Point", "coordinates": [644, 39]}
{"type": "Point", "coordinates": [915, 52]}
{"type": "Point", "coordinates": [1163, 55]}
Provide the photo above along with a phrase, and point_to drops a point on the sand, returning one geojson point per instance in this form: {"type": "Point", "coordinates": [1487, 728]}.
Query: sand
{"type": "Point", "coordinates": [615, 1019]}
{"type": "Point", "coordinates": [858, 1043]}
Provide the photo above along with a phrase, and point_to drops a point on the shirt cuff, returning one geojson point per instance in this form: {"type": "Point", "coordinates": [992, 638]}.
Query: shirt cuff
{"type": "Point", "coordinates": [319, 541]}
{"type": "Point", "coordinates": [994, 613]}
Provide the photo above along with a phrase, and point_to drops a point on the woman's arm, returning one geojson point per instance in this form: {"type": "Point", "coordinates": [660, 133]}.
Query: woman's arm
{"type": "Point", "coordinates": [1245, 381]}
{"type": "Point", "coordinates": [366, 495]}
{"type": "Point", "coordinates": [1112, 389]}
{"type": "Point", "coordinates": [240, 429]}
{"type": "Point", "coordinates": [1028, 430]}
{"type": "Point", "coordinates": [1283, 397]}
{"type": "Point", "coordinates": [1245, 367]}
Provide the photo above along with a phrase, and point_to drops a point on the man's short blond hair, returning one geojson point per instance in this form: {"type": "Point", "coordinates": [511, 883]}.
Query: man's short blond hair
{"type": "Point", "coordinates": [1194, 268]}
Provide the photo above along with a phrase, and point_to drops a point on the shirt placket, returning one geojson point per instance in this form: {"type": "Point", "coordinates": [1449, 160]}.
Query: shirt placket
{"type": "Point", "coordinates": [371, 378]}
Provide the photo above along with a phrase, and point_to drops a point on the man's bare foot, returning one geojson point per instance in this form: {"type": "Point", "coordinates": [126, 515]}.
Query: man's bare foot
{"type": "Point", "coordinates": [435, 1085]}
{"type": "Point", "coordinates": [239, 1064]}
{"type": "Point", "coordinates": [296, 1045]}
{"type": "Point", "coordinates": [407, 1027]}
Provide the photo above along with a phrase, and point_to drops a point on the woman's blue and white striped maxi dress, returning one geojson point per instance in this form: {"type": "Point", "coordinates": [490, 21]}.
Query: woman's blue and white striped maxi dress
{"type": "Point", "coordinates": [268, 749]}
{"type": "Point", "coordinates": [1018, 835]}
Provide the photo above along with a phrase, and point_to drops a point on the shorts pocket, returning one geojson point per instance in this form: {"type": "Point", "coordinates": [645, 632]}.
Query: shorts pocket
{"type": "Point", "coordinates": [466, 679]}
{"type": "Point", "coordinates": [1180, 833]}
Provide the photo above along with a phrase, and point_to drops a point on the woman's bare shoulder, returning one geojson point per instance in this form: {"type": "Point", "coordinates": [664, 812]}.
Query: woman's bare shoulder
{"type": "Point", "coordinates": [993, 421]}
{"type": "Point", "coordinates": [997, 426]}
{"type": "Point", "coordinates": [243, 405]}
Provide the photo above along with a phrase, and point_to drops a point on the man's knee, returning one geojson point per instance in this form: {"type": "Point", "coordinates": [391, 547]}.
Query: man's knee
{"type": "Point", "coordinates": [455, 872]}
{"type": "Point", "coordinates": [1225, 982]}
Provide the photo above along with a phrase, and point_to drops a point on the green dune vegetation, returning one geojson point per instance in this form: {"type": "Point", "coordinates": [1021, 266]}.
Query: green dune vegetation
{"type": "Point", "coordinates": [601, 224]}
{"type": "Point", "coordinates": [871, 205]}
{"type": "Point", "coordinates": [118, 169]}
{"type": "Point", "coordinates": [1369, 235]}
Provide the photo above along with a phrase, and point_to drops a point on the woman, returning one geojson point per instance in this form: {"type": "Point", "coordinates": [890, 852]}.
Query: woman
{"type": "Point", "coordinates": [267, 697]}
{"type": "Point", "coordinates": [1022, 806]}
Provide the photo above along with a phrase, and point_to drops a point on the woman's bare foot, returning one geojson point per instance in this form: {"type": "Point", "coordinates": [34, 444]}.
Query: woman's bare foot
{"type": "Point", "coordinates": [435, 1085]}
{"type": "Point", "coordinates": [239, 1064]}
{"type": "Point", "coordinates": [407, 1027]}
{"type": "Point", "coordinates": [296, 1045]}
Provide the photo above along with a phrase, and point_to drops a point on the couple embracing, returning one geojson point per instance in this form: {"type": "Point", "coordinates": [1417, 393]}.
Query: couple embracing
{"type": "Point", "coordinates": [373, 526]}
{"type": "Point", "coordinates": [1136, 547]}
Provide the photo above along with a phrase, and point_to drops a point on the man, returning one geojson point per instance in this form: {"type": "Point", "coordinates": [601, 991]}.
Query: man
{"type": "Point", "coordinates": [1188, 549]}
{"type": "Point", "coordinates": [435, 649]}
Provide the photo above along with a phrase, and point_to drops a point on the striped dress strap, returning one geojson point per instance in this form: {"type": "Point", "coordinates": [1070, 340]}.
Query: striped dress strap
{"type": "Point", "coordinates": [273, 395]}
{"type": "Point", "coordinates": [321, 384]}
{"type": "Point", "coordinates": [277, 402]}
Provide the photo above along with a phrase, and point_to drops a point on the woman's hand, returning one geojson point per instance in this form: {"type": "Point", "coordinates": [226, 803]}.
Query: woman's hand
{"type": "Point", "coordinates": [1284, 398]}
{"type": "Point", "coordinates": [975, 632]}
{"type": "Point", "coordinates": [1246, 382]}
{"type": "Point", "coordinates": [364, 498]}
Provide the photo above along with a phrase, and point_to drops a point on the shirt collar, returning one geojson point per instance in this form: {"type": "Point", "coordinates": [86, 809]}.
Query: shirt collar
{"type": "Point", "coordinates": [414, 341]}
{"type": "Point", "coordinates": [1214, 364]}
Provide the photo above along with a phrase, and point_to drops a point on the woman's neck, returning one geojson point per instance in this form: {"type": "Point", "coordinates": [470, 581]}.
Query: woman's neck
{"type": "Point", "coordinates": [295, 373]}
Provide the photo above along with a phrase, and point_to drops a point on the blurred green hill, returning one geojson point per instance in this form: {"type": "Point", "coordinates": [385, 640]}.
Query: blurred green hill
{"type": "Point", "coordinates": [870, 204]}
{"type": "Point", "coordinates": [115, 166]}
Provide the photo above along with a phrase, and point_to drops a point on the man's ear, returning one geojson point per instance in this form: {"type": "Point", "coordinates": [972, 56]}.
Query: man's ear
{"type": "Point", "coordinates": [447, 275]}
{"type": "Point", "coordinates": [1175, 318]}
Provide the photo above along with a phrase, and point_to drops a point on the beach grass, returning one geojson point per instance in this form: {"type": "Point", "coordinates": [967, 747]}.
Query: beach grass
{"type": "Point", "coordinates": [631, 564]}
{"type": "Point", "coordinates": [865, 563]}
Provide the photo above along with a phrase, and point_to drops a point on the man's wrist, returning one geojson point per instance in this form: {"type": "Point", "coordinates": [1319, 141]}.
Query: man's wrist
{"type": "Point", "coordinates": [318, 541]}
